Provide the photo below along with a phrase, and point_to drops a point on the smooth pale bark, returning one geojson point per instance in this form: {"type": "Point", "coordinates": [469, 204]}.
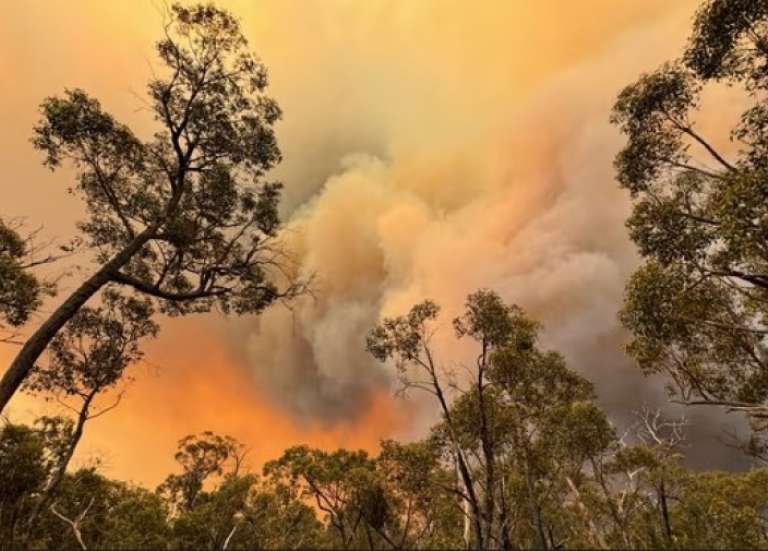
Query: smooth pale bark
{"type": "Point", "coordinates": [229, 537]}
{"type": "Point", "coordinates": [595, 536]}
{"type": "Point", "coordinates": [488, 453]}
{"type": "Point", "coordinates": [75, 524]}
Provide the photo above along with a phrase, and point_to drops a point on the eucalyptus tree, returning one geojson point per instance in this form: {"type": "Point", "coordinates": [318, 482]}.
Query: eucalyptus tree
{"type": "Point", "coordinates": [270, 517]}
{"type": "Point", "coordinates": [92, 511]}
{"type": "Point", "coordinates": [548, 429]}
{"type": "Point", "coordinates": [186, 218]}
{"type": "Point", "coordinates": [736, 500]}
{"type": "Point", "coordinates": [217, 504]}
{"type": "Point", "coordinates": [501, 426]}
{"type": "Point", "coordinates": [342, 485]}
{"type": "Point", "coordinates": [697, 306]}
{"type": "Point", "coordinates": [88, 357]}
{"type": "Point", "coordinates": [492, 325]}
{"type": "Point", "coordinates": [540, 420]}
{"type": "Point", "coordinates": [201, 457]}
{"type": "Point", "coordinates": [407, 340]}
{"type": "Point", "coordinates": [421, 489]}
{"type": "Point", "coordinates": [215, 521]}
{"type": "Point", "coordinates": [22, 473]}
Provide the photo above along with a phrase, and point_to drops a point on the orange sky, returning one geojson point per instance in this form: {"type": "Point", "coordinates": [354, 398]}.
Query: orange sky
{"type": "Point", "coordinates": [191, 385]}
{"type": "Point", "coordinates": [456, 117]}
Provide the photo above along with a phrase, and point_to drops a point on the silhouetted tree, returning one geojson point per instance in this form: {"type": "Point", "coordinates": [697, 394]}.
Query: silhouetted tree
{"type": "Point", "coordinates": [187, 217]}
{"type": "Point", "coordinates": [87, 357]}
{"type": "Point", "coordinates": [200, 457]}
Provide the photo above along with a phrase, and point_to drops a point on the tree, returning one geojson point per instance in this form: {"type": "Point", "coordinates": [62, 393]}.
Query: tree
{"type": "Point", "coordinates": [243, 513]}
{"type": "Point", "coordinates": [503, 431]}
{"type": "Point", "coordinates": [420, 488]}
{"type": "Point", "coordinates": [185, 218]}
{"type": "Point", "coordinates": [406, 339]}
{"type": "Point", "coordinates": [214, 521]}
{"type": "Point", "coordinates": [736, 500]}
{"type": "Point", "coordinates": [22, 472]}
{"type": "Point", "coordinates": [92, 511]}
{"type": "Point", "coordinates": [87, 357]}
{"type": "Point", "coordinates": [30, 458]}
{"type": "Point", "coordinates": [137, 519]}
{"type": "Point", "coordinates": [547, 428]}
{"type": "Point", "coordinates": [345, 486]}
{"type": "Point", "coordinates": [544, 428]}
{"type": "Point", "coordinates": [697, 306]}
{"type": "Point", "coordinates": [200, 457]}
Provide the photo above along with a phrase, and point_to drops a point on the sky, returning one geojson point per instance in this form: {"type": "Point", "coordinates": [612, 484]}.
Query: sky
{"type": "Point", "coordinates": [430, 149]}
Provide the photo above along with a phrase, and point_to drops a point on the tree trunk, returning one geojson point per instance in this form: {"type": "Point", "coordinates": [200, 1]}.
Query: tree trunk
{"type": "Point", "coordinates": [487, 445]}
{"type": "Point", "coordinates": [77, 434]}
{"type": "Point", "coordinates": [504, 528]}
{"type": "Point", "coordinates": [665, 512]}
{"type": "Point", "coordinates": [465, 509]}
{"type": "Point", "coordinates": [61, 467]}
{"type": "Point", "coordinates": [534, 510]}
{"type": "Point", "coordinates": [595, 536]}
{"type": "Point", "coordinates": [463, 468]}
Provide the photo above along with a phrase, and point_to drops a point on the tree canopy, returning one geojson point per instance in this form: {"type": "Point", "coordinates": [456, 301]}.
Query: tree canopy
{"type": "Point", "coordinates": [697, 306]}
{"type": "Point", "coordinates": [523, 457]}
{"type": "Point", "coordinates": [187, 218]}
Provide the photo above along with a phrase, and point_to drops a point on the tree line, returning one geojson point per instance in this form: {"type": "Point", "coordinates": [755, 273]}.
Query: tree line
{"type": "Point", "coordinates": [522, 456]}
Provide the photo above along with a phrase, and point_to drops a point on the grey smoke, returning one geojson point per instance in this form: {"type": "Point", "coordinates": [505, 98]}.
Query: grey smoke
{"type": "Point", "coordinates": [528, 207]}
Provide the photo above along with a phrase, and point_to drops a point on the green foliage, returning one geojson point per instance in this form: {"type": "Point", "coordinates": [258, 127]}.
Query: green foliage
{"type": "Point", "coordinates": [342, 485]}
{"type": "Point", "coordinates": [118, 515]}
{"type": "Point", "coordinates": [721, 510]}
{"type": "Point", "coordinates": [21, 292]}
{"type": "Point", "coordinates": [522, 456]}
{"type": "Point", "coordinates": [415, 480]}
{"type": "Point", "coordinates": [192, 196]}
{"type": "Point", "coordinates": [561, 478]}
{"type": "Point", "coordinates": [517, 436]}
{"type": "Point", "coordinates": [95, 347]}
{"type": "Point", "coordinates": [728, 40]}
{"type": "Point", "coordinates": [402, 337]}
{"type": "Point", "coordinates": [697, 307]}
{"type": "Point", "coordinates": [22, 473]}
{"type": "Point", "coordinates": [185, 219]}
{"type": "Point", "coordinates": [200, 457]}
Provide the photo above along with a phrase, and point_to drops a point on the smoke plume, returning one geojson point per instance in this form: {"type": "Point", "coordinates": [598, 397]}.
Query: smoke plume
{"type": "Point", "coordinates": [516, 196]}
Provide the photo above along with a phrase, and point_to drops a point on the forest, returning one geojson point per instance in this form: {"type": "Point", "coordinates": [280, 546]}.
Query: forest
{"type": "Point", "coordinates": [523, 455]}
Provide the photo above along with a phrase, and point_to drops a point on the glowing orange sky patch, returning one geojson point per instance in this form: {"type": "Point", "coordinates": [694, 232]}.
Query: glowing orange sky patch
{"type": "Point", "coordinates": [189, 385]}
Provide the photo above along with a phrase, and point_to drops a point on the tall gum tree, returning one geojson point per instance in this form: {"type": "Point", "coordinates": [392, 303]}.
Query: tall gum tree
{"type": "Point", "coordinates": [186, 218]}
{"type": "Point", "coordinates": [697, 306]}
{"type": "Point", "coordinates": [88, 357]}
{"type": "Point", "coordinates": [501, 431]}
